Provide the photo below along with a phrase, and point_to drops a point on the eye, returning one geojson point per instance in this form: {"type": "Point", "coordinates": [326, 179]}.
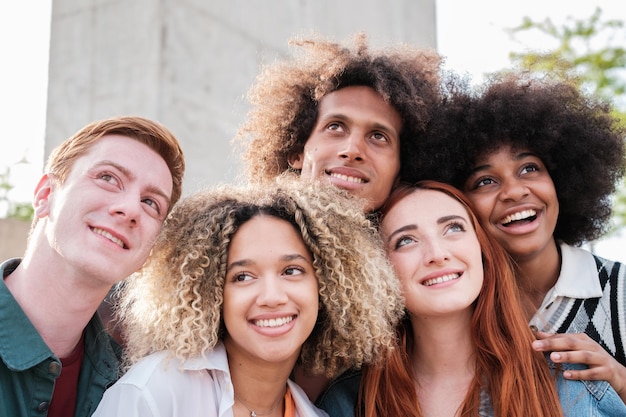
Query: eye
{"type": "Point", "coordinates": [455, 227]}
{"type": "Point", "coordinates": [334, 126]}
{"type": "Point", "coordinates": [380, 137]}
{"type": "Point", "coordinates": [293, 270]}
{"type": "Point", "coordinates": [108, 177]}
{"type": "Point", "coordinates": [482, 182]}
{"type": "Point", "coordinates": [242, 277]}
{"type": "Point", "coordinates": [529, 168]}
{"type": "Point", "coordinates": [152, 203]}
{"type": "Point", "coordinates": [403, 241]}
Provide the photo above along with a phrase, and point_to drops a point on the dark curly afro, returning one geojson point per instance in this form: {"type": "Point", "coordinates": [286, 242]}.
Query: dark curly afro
{"type": "Point", "coordinates": [576, 137]}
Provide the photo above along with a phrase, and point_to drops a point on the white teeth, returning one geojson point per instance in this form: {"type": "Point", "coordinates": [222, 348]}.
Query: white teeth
{"type": "Point", "coordinates": [109, 236]}
{"type": "Point", "coordinates": [347, 178]}
{"type": "Point", "coordinates": [439, 280]}
{"type": "Point", "coordinates": [519, 216]}
{"type": "Point", "coordinates": [273, 322]}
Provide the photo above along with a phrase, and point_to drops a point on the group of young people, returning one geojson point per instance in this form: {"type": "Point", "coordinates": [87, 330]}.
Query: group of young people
{"type": "Point", "coordinates": [405, 244]}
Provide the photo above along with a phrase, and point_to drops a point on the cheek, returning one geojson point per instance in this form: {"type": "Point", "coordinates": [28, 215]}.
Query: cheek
{"type": "Point", "coordinates": [310, 295]}
{"type": "Point", "coordinates": [404, 267]}
{"type": "Point", "coordinates": [482, 208]}
{"type": "Point", "coordinates": [228, 308]}
{"type": "Point", "coordinates": [309, 163]}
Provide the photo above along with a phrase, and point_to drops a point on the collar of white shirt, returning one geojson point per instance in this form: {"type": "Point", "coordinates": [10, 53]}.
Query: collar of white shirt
{"type": "Point", "coordinates": [579, 274]}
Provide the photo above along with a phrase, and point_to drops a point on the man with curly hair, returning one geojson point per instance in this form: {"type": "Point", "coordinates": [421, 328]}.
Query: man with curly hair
{"type": "Point", "coordinates": [539, 160]}
{"type": "Point", "coordinates": [341, 112]}
{"type": "Point", "coordinates": [98, 209]}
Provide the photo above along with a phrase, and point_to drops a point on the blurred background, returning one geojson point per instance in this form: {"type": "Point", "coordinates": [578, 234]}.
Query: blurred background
{"type": "Point", "coordinates": [189, 63]}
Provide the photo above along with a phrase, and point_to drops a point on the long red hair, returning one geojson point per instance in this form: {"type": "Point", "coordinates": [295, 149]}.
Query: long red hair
{"type": "Point", "coordinates": [517, 379]}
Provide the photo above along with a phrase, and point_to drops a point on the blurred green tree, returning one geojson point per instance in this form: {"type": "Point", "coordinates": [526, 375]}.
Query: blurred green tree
{"type": "Point", "coordinates": [590, 52]}
{"type": "Point", "coordinates": [9, 208]}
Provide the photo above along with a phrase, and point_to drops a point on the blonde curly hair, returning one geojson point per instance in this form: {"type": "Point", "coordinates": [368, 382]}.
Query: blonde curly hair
{"type": "Point", "coordinates": [175, 302]}
{"type": "Point", "coordinates": [286, 95]}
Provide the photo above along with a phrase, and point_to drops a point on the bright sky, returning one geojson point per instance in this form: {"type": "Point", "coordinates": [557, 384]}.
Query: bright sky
{"type": "Point", "coordinates": [471, 35]}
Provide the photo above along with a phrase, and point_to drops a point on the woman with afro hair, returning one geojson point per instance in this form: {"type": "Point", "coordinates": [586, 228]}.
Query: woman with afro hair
{"type": "Point", "coordinates": [242, 284]}
{"type": "Point", "coordinates": [539, 161]}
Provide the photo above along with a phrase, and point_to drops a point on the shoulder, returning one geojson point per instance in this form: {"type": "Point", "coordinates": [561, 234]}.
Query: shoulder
{"type": "Point", "coordinates": [588, 397]}
{"type": "Point", "coordinates": [161, 385]}
{"type": "Point", "coordinates": [608, 265]}
{"type": "Point", "coordinates": [153, 367]}
{"type": "Point", "coordinates": [304, 406]}
{"type": "Point", "coordinates": [340, 397]}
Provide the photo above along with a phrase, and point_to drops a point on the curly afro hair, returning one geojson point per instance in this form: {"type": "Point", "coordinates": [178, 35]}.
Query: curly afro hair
{"type": "Point", "coordinates": [286, 96]}
{"type": "Point", "coordinates": [175, 303]}
{"type": "Point", "coordinates": [575, 136]}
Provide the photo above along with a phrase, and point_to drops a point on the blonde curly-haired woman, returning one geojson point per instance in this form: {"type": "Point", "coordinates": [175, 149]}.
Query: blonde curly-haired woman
{"type": "Point", "coordinates": [243, 284]}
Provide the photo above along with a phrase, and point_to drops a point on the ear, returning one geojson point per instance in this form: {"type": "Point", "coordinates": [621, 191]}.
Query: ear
{"type": "Point", "coordinates": [295, 161]}
{"type": "Point", "coordinates": [41, 198]}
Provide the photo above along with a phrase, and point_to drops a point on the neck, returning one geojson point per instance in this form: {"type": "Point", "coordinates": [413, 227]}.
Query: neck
{"type": "Point", "coordinates": [443, 346]}
{"type": "Point", "coordinates": [259, 386]}
{"type": "Point", "coordinates": [538, 274]}
{"type": "Point", "coordinates": [58, 308]}
{"type": "Point", "coordinates": [444, 363]}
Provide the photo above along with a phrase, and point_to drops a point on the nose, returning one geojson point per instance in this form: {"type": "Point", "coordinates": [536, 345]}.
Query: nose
{"type": "Point", "coordinates": [352, 148]}
{"type": "Point", "coordinates": [271, 291]}
{"type": "Point", "coordinates": [126, 209]}
{"type": "Point", "coordinates": [513, 189]}
{"type": "Point", "coordinates": [435, 252]}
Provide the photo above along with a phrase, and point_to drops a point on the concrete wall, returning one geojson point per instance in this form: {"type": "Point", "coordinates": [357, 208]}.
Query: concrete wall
{"type": "Point", "coordinates": [189, 63]}
{"type": "Point", "coordinates": [13, 234]}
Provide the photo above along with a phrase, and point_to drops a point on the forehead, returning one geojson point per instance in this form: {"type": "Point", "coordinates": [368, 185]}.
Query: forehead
{"type": "Point", "coordinates": [504, 152]}
{"type": "Point", "coordinates": [361, 101]}
{"type": "Point", "coordinates": [424, 206]}
{"type": "Point", "coordinates": [138, 160]}
{"type": "Point", "coordinates": [264, 235]}
{"type": "Point", "coordinates": [118, 146]}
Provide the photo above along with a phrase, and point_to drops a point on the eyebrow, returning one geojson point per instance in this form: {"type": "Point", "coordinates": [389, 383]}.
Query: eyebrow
{"type": "Point", "coordinates": [400, 230]}
{"type": "Point", "coordinates": [411, 227]}
{"type": "Point", "coordinates": [284, 258]}
{"type": "Point", "coordinates": [151, 188]}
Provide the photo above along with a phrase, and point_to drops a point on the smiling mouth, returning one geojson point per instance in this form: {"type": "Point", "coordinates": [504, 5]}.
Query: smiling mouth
{"type": "Point", "coordinates": [439, 280]}
{"type": "Point", "coordinates": [347, 178]}
{"type": "Point", "coordinates": [109, 236]}
{"type": "Point", "coordinates": [277, 322]}
{"type": "Point", "coordinates": [522, 216]}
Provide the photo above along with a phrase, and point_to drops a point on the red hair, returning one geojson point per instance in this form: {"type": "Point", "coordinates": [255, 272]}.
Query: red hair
{"type": "Point", "coordinates": [517, 379]}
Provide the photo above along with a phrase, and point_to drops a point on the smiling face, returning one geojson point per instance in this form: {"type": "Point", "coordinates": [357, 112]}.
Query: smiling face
{"type": "Point", "coordinates": [270, 293]}
{"type": "Point", "coordinates": [433, 247]}
{"type": "Point", "coordinates": [103, 220]}
{"type": "Point", "coordinates": [515, 199]}
{"type": "Point", "coordinates": [355, 144]}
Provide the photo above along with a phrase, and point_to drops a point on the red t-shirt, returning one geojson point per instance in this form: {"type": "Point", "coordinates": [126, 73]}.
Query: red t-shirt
{"type": "Point", "coordinates": [63, 402]}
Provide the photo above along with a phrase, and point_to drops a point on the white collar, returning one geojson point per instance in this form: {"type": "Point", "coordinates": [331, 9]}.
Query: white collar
{"type": "Point", "coordinates": [578, 277]}
{"type": "Point", "coordinates": [215, 359]}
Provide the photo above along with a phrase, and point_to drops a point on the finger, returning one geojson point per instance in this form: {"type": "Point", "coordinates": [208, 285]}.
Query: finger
{"type": "Point", "coordinates": [589, 358]}
{"type": "Point", "coordinates": [566, 342]}
{"type": "Point", "coordinates": [590, 374]}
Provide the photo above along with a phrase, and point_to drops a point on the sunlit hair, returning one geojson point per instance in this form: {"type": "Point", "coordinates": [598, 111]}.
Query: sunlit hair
{"type": "Point", "coordinates": [577, 137]}
{"type": "Point", "coordinates": [517, 379]}
{"type": "Point", "coordinates": [286, 95]}
{"type": "Point", "coordinates": [156, 136]}
{"type": "Point", "coordinates": [175, 302]}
